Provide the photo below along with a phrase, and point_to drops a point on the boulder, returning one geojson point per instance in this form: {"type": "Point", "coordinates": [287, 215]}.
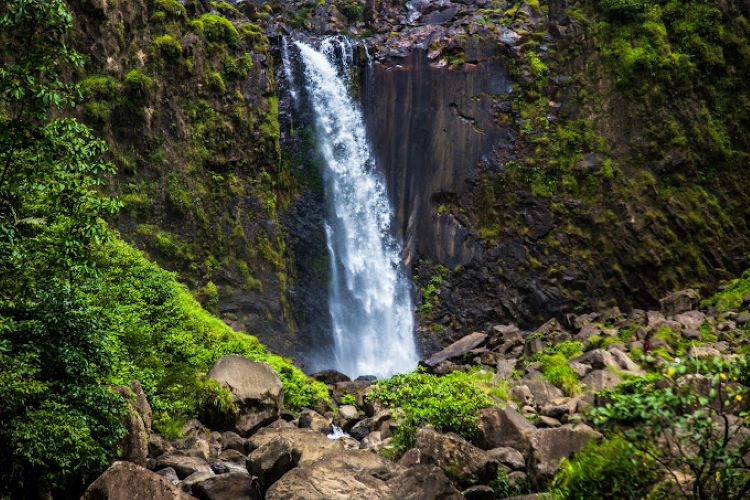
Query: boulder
{"type": "Point", "coordinates": [503, 428]}
{"type": "Point", "coordinates": [457, 349]}
{"type": "Point", "coordinates": [233, 460]}
{"type": "Point", "coordinates": [547, 422]}
{"type": "Point", "coordinates": [509, 457]}
{"type": "Point", "coordinates": [306, 443]}
{"type": "Point", "coordinates": [542, 392]}
{"type": "Point", "coordinates": [581, 369]}
{"type": "Point", "coordinates": [233, 485]}
{"type": "Point", "coordinates": [550, 446]}
{"type": "Point", "coordinates": [422, 482]}
{"type": "Point", "coordinates": [126, 481]}
{"type": "Point", "coordinates": [742, 318]}
{"type": "Point", "coordinates": [336, 474]}
{"type": "Point", "coordinates": [479, 492]}
{"type": "Point", "coordinates": [256, 390]}
{"type": "Point", "coordinates": [463, 462]}
{"type": "Point", "coordinates": [505, 368]}
{"type": "Point", "coordinates": [330, 377]}
{"type": "Point", "coordinates": [233, 441]}
{"type": "Point", "coordinates": [679, 302]}
{"type": "Point", "coordinates": [184, 463]}
{"type": "Point", "coordinates": [703, 352]}
{"type": "Point", "coordinates": [169, 474]}
{"type": "Point", "coordinates": [194, 478]}
{"type": "Point", "coordinates": [690, 320]}
{"type": "Point", "coordinates": [624, 362]}
{"type": "Point", "coordinates": [601, 379]}
{"type": "Point", "coordinates": [310, 419]}
{"type": "Point", "coordinates": [137, 422]}
{"type": "Point", "coordinates": [272, 460]}
{"type": "Point", "coordinates": [347, 416]}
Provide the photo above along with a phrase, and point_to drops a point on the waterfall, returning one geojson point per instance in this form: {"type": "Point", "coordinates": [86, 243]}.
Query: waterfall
{"type": "Point", "coordinates": [287, 64]}
{"type": "Point", "coordinates": [370, 301]}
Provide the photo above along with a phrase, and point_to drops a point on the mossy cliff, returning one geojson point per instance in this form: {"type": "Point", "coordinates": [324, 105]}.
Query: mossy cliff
{"type": "Point", "coordinates": [184, 94]}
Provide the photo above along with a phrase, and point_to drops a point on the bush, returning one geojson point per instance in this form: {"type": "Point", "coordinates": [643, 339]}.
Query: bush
{"type": "Point", "coordinates": [610, 468]}
{"type": "Point", "coordinates": [216, 29]}
{"type": "Point", "coordinates": [555, 368]}
{"type": "Point", "coordinates": [732, 296]}
{"type": "Point", "coordinates": [169, 9]}
{"type": "Point", "coordinates": [623, 9]}
{"type": "Point", "coordinates": [448, 403]}
{"type": "Point", "coordinates": [100, 87]}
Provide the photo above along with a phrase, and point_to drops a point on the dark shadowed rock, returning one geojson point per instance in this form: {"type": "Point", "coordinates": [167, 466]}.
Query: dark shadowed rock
{"type": "Point", "coordinates": [457, 349]}
{"type": "Point", "coordinates": [509, 457]}
{"type": "Point", "coordinates": [503, 428]}
{"type": "Point", "coordinates": [463, 462]}
{"type": "Point", "coordinates": [128, 481]}
{"type": "Point", "coordinates": [479, 492]}
{"type": "Point", "coordinates": [233, 485]}
{"type": "Point", "coordinates": [330, 377]}
{"type": "Point", "coordinates": [310, 419]}
{"type": "Point", "coordinates": [272, 460]}
{"type": "Point", "coordinates": [183, 462]}
{"type": "Point", "coordinates": [256, 390]}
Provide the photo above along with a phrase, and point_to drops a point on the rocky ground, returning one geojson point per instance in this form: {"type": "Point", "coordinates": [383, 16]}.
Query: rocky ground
{"type": "Point", "coordinates": [254, 448]}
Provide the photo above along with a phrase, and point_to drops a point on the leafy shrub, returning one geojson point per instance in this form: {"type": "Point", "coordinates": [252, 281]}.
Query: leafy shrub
{"type": "Point", "coordinates": [448, 403]}
{"type": "Point", "coordinates": [98, 111]}
{"type": "Point", "coordinates": [731, 297]}
{"type": "Point", "coordinates": [695, 424]}
{"type": "Point", "coordinates": [100, 86]}
{"type": "Point", "coordinates": [216, 28]}
{"type": "Point", "coordinates": [169, 9]}
{"type": "Point", "coordinates": [348, 399]}
{"type": "Point", "coordinates": [609, 468]}
{"type": "Point", "coordinates": [555, 368]}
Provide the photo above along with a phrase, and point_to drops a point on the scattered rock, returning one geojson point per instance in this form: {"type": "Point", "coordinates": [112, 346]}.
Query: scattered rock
{"type": "Point", "coordinates": [306, 443]}
{"type": "Point", "coordinates": [169, 474]}
{"type": "Point", "coordinates": [703, 352]}
{"type": "Point", "coordinates": [679, 302]}
{"type": "Point", "coordinates": [310, 419]}
{"type": "Point", "coordinates": [183, 463]}
{"type": "Point", "coordinates": [505, 368]}
{"type": "Point", "coordinates": [233, 485]}
{"type": "Point", "coordinates": [550, 446]}
{"type": "Point", "coordinates": [196, 477]}
{"type": "Point", "coordinates": [510, 457]}
{"type": "Point", "coordinates": [601, 379]}
{"type": "Point", "coordinates": [272, 460]}
{"type": "Point", "coordinates": [457, 349]}
{"type": "Point", "coordinates": [503, 428]}
{"type": "Point", "coordinates": [542, 391]}
{"type": "Point", "coordinates": [463, 462]}
{"type": "Point", "coordinates": [548, 422]}
{"type": "Point", "coordinates": [479, 492]}
{"type": "Point", "coordinates": [422, 482]}
{"type": "Point", "coordinates": [330, 377]}
{"type": "Point", "coordinates": [128, 481]}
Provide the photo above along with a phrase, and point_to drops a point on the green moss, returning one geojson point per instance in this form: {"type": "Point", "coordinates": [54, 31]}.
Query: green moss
{"type": "Point", "coordinates": [732, 296]}
{"type": "Point", "coordinates": [138, 84]}
{"type": "Point", "coordinates": [216, 28]}
{"type": "Point", "coordinates": [102, 87]}
{"type": "Point", "coordinates": [166, 47]}
{"type": "Point", "coordinates": [215, 83]}
{"type": "Point", "coordinates": [99, 111]}
{"type": "Point", "coordinates": [169, 9]}
{"type": "Point", "coordinates": [556, 370]}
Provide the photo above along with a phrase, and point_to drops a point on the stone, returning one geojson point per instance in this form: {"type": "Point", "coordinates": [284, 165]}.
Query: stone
{"type": "Point", "coordinates": [373, 441]}
{"type": "Point", "coordinates": [272, 460]}
{"type": "Point", "coordinates": [517, 480]}
{"type": "Point", "coordinates": [127, 481]}
{"type": "Point", "coordinates": [233, 460]}
{"type": "Point", "coordinates": [306, 443]}
{"type": "Point", "coordinates": [580, 369]}
{"type": "Point", "coordinates": [330, 377]}
{"type": "Point", "coordinates": [742, 318]}
{"type": "Point", "coordinates": [555, 410]}
{"type": "Point", "coordinates": [691, 334]}
{"type": "Point", "coordinates": [679, 302]}
{"type": "Point", "coordinates": [457, 349]}
{"type": "Point", "coordinates": [157, 445]}
{"type": "Point", "coordinates": [542, 391]}
{"type": "Point", "coordinates": [503, 428]}
{"type": "Point", "coordinates": [137, 422]}
{"type": "Point", "coordinates": [183, 463]}
{"type": "Point", "coordinates": [169, 474]}
{"type": "Point", "coordinates": [462, 462]}
{"type": "Point", "coordinates": [233, 441]}
{"type": "Point", "coordinates": [310, 419]}
{"type": "Point", "coordinates": [508, 334]}
{"type": "Point", "coordinates": [690, 320]}
{"type": "Point", "coordinates": [703, 352]}
{"type": "Point", "coordinates": [522, 394]}
{"type": "Point", "coordinates": [548, 422]}
{"type": "Point", "coordinates": [587, 331]}
{"type": "Point", "coordinates": [256, 390]}
{"type": "Point", "coordinates": [550, 446]}
{"type": "Point", "coordinates": [505, 368]}
{"type": "Point", "coordinates": [479, 492]}
{"type": "Point", "coordinates": [533, 346]}
{"type": "Point", "coordinates": [361, 429]}
{"type": "Point", "coordinates": [196, 477]}
{"type": "Point", "coordinates": [422, 482]}
{"type": "Point", "coordinates": [335, 475]}
{"type": "Point", "coordinates": [509, 457]}
{"type": "Point", "coordinates": [601, 379]}
{"type": "Point", "coordinates": [233, 485]}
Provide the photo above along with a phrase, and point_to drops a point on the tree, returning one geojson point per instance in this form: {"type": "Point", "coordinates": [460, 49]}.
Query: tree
{"type": "Point", "coordinates": [60, 421]}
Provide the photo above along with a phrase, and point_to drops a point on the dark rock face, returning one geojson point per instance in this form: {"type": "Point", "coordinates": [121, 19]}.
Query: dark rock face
{"type": "Point", "coordinates": [430, 127]}
{"type": "Point", "coordinates": [463, 462]}
{"type": "Point", "coordinates": [234, 485]}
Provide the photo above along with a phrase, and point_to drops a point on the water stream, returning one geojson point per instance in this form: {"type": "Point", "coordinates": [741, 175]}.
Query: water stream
{"type": "Point", "coordinates": [370, 301]}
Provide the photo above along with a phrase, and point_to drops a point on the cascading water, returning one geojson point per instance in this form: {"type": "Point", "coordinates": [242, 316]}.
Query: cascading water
{"type": "Point", "coordinates": [370, 301]}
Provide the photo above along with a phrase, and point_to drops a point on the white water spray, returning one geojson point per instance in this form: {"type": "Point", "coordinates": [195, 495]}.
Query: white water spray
{"type": "Point", "coordinates": [370, 301]}
{"type": "Point", "coordinates": [287, 64]}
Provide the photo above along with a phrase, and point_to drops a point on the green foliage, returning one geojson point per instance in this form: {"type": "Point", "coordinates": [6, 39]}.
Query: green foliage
{"type": "Point", "coordinates": [216, 28]}
{"type": "Point", "coordinates": [609, 468]}
{"type": "Point", "coordinates": [732, 296]}
{"type": "Point", "coordinates": [138, 84]}
{"type": "Point", "coordinates": [169, 9]}
{"type": "Point", "coordinates": [167, 341]}
{"type": "Point", "coordinates": [353, 10]}
{"type": "Point", "coordinates": [216, 84]}
{"type": "Point", "coordinates": [448, 403]}
{"type": "Point", "coordinates": [556, 370]}
{"type": "Point", "coordinates": [100, 86]}
{"type": "Point", "coordinates": [348, 399]}
{"type": "Point", "coordinates": [619, 9]}
{"type": "Point", "coordinates": [167, 47]}
{"type": "Point", "coordinates": [690, 420]}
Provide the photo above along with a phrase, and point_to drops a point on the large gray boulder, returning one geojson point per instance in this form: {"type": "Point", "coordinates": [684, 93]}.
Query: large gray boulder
{"type": "Point", "coordinates": [463, 462]}
{"type": "Point", "coordinates": [598, 380]}
{"type": "Point", "coordinates": [457, 349]}
{"type": "Point", "coordinates": [185, 463]}
{"type": "Point", "coordinates": [257, 394]}
{"type": "Point", "coordinates": [422, 482]}
{"type": "Point", "coordinates": [272, 460]}
{"type": "Point", "coordinates": [504, 428]}
{"type": "Point", "coordinates": [307, 445]}
{"type": "Point", "coordinates": [126, 481]}
{"type": "Point", "coordinates": [679, 302]}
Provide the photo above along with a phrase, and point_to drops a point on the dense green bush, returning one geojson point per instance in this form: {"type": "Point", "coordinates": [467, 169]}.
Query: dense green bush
{"type": "Point", "coordinates": [216, 29]}
{"type": "Point", "coordinates": [732, 296]}
{"type": "Point", "coordinates": [448, 403]}
{"type": "Point", "coordinates": [138, 84]}
{"type": "Point", "coordinates": [609, 468]}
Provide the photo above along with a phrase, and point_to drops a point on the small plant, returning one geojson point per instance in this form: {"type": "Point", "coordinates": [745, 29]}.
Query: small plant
{"type": "Point", "coordinates": [555, 368]}
{"type": "Point", "coordinates": [348, 399]}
